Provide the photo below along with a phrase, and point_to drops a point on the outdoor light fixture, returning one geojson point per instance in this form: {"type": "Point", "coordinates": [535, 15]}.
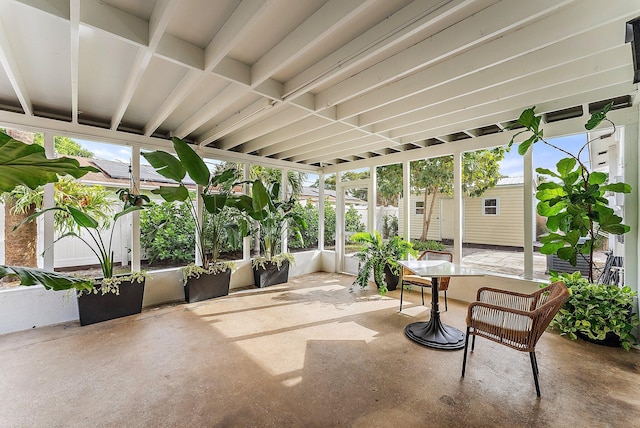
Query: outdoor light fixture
{"type": "Point", "coordinates": [632, 36]}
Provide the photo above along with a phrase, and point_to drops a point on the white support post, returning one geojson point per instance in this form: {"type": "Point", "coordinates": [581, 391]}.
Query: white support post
{"type": "Point", "coordinates": [406, 201]}
{"type": "Point", "coordinates": [199, 214]}
{"type": "Point", "coordinates": [284, 191]}
{"type": "Point", "coordinates": [246, 242]}
{"type": "Point", "coordinates": [457, 207]}
{"type": "Point", "coordinates": [321, 212]}
{"type": "Point", "coordinates": [48, 202]}
{"type": "Point", "coordinates": [529, 215]}
{"type": "Point", "coordinates": [339, 225]}
{"type": "Point", "coordinates": [373, 196]}
{"type": "Point", "coordinates": [631, 201]}
{"type": "Point", "coordinates": [135, 217]}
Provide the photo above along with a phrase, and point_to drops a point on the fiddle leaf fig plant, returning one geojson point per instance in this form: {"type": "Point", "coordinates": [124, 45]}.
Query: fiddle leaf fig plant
{"type": "Point", "coordinates": [573, 201]}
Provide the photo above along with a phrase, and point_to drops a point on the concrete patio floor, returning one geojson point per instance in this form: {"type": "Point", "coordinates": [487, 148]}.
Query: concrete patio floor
{"type": "Point", "coordinates": [308, 353]}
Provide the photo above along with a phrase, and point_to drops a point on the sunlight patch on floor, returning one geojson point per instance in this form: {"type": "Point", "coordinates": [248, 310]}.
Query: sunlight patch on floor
{"type": "Point", "coordinates": [285, 352]}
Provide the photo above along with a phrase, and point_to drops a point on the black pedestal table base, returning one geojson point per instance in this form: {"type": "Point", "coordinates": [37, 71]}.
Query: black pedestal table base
{"type": "Point", "coordinates": [435, 334]}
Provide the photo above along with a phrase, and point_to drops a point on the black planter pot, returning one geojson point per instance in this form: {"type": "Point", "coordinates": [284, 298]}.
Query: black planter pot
{"type": "Point", "coordinates": [270, 274]}
{"type": "Point", "coordinates": [207, 286]}
{"type": "Point", "coordinates": [93, 308]}
{"type": "Point", "coordinates": [611, 339]}
{"type": "Point", "coordinates": [390, 278]}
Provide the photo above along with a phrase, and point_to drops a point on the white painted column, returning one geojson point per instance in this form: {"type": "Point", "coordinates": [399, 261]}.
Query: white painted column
{"type": "Point", "coordinates": [406, 201]}
{"type": "Point", "coordinates": [284, 191]}
{"type": "Point", "coordinates": [457, 207]}
{"type": "Point", "coordinates": [373, 196]}
{"type": "Point", "coordinates": [48, 202]}
{"type": "Point", "coordinates": [529, 215]}
{"type": "Point", "coordinates": [199, 215]}
{"type": "Point", "coordinates": [321, 212]}
{"type": "Point", "coordinates": [631, 205]}
{"type": "Point", "coordinates": [339, 224]}
{"type": "Point", "coordinates": [135, 216]}
{"type": "Point", "coordinates": [246, 242]}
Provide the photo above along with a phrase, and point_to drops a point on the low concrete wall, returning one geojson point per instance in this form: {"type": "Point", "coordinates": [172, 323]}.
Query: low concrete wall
{"type": "Point", "coordinates": [23, 308]}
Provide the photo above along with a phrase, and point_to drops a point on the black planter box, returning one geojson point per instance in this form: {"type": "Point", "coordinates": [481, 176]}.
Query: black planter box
{"type": "Point", "coordinates": [270, 274]}
{"type": "Point", "coordinates": [390, 279]}
{"type": "Point", "coordinates": [93, 308]}
{"type": "Point", "coordinates": [207, 286]}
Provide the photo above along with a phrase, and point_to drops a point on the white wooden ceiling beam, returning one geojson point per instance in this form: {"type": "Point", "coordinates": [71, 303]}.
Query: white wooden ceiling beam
{"type": "Point", "coordinates": [180, 52]}
{"type": "Point", "coordinates": [359, 146]}
{"type": "Point", "coordinates": [241, 21]}
{"type": "Point", "coordinates": [322, 24]}
{"type": "Point", "coordinates": [291, 146]}
{"type": "Point", "coordinates": [74, 48]}
{"type": "Point", "coordinates": [12, 70]}
{"type": "Point", "coordinates": [228, 95]}
{"type": "Point", "coordinates": [572, 22]}
{"type": "Point", "coordinates": [520, 101]}
{"type": "Point", "coordinates": [127, 27]}
{"type": "Point", "coordinates": [489, 23]}
{"type": "Point", "coordinates": [158, 23]}
{"type": "Point", "coordinates": [511, 88]}
{"type": "Point", "coordinates": [236, 121]}
{"type": "Point", "coordinates": [451, 83]}
{"type": "Point", "coordinates": [59, 8]}
{"type": "Point", "coordinates": [87, 132]}
{"type": "Point", "coordinates": [504, 117]}
{"type": "Point", "coordinates": [286, 116]}
{"type": "Point", "coordinates": [295, 129]}
{"type": "Point", "coordinates": [325, 144]}
{"type": "Point", "coordinates": [403, 24]}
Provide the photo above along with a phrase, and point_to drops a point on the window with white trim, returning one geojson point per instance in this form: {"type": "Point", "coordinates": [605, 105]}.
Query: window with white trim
{"type": "Point", "coordinates": [419, 207]}
{"type": "Point", "coordinates": [490, 206]}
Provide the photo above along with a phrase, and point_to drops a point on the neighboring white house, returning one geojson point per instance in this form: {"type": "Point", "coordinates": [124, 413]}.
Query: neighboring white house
{"type": "Point", "coordinates": [496, 218]}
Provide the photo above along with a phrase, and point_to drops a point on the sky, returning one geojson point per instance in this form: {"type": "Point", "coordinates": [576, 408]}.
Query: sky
{"type": "Point", "coordinates": [543, 156]}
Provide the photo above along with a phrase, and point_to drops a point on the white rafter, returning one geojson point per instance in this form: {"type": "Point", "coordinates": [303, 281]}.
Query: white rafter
{"type": "Point", "coordinates": [157, 25]}
{"type": "Point", "coordinates": [11, 68]}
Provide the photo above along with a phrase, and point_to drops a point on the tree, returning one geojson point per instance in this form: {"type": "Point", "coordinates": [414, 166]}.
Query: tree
{"type": "Point", "coordinates": [389, 184]}
{"type": "Point", "coordinates": [295, 179]}
{"type": "Point", "coordinates": [430, 177]}
{"type": "Point", "coordinates": [65, 146]}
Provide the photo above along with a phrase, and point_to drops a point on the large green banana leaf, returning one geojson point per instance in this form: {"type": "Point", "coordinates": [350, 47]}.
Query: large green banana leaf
{"type": "Point", "coordinates": [27, 164]}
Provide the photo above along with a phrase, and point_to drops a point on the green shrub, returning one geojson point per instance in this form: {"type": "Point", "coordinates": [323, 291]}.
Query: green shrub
{"type": "Point", "coordinates": [329, 225]}
{"type": "Point", "coordinates": [353, 221]}
{"type": "Point", "coordinates": [310, 235]}
{"type": "Point", "coordinates": [167, 233]}
{"type": "Point", "coordinates": [427, 245]}
{"type": "Point", "coordinates": [389, 226]}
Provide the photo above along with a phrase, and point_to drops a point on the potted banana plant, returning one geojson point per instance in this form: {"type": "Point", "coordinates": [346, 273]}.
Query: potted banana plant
{"type": "Point", "coordinates": [110, 296]}
{"type": "Point", "coordinates": [272, 215]}
{"type": "Point", "coordinates": [211, 277]}
{"type": "Point", "coordinates": [28, 165]}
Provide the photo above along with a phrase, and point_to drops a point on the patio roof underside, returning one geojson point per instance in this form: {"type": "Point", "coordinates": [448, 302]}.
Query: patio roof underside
{"type": "Point", "coordinates": [314, 83]}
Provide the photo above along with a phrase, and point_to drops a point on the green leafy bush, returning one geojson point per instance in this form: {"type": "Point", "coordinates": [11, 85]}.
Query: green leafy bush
{"type": "Point", "coordinates": [427, 245]}
{"type": "Point", "coordinates": [596, 310]}
{"type": "Point", "coordinates": [353, 220]}
{"type": "Point", "coordinates": [309, 213]}
{"type": "Point", "coordinates": [329, 225]}
{"type": "Point", "coordinates": [167, 233]}
{"type": "Point", "coordinates": [389, 226]}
